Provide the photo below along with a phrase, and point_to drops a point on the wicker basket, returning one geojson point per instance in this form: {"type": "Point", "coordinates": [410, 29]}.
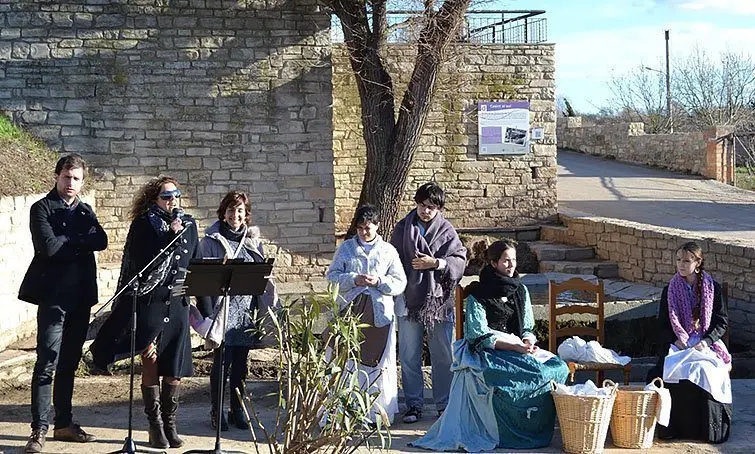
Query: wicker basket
{"type": "Point", "coordinates": [584, 420]}
{"type": "Point", "coordinates": [633, 419]}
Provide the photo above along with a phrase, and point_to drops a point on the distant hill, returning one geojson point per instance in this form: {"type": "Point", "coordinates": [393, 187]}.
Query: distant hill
{"type": "Point", "coordinates": [27, 163]}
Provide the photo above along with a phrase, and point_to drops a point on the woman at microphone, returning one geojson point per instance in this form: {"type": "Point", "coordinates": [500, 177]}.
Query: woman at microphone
{"type": "Point", "coordinates": [162, 330]}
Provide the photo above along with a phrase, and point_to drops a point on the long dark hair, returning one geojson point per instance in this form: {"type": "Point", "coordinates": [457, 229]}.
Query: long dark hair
{"type": "Point", "coordinates": [147, 195]}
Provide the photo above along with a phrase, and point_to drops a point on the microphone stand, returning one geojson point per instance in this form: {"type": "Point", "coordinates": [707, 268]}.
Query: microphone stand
{"type": "Point", "coordinates": [129, 446]}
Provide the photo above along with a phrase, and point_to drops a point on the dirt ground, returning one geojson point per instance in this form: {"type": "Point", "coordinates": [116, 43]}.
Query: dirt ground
{"type": "Point", "coordinates": [100, 405]}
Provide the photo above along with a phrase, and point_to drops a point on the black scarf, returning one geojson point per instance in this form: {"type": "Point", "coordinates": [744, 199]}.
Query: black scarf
{"type": "Point", "coordinates": [159, 219]}
{"type": "Point", "coordinates": [230, 234]}
{"type": "Point", "coordinates": [505, 316]}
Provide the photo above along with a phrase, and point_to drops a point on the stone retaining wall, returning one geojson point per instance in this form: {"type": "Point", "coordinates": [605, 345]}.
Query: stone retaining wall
{"type": "Point", "coordinates": [220, 94]}
{"type": "Point", "coordinates": [646, 253]}
{"type": "Point", "coordinates": [16, 251]}
{"type": "Point", "coordinates": [483, 191]}
{"type": "Point", "coordinates": [695, 153]}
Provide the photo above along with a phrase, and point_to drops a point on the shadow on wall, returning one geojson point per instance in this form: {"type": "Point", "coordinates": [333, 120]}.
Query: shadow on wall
{"type": "Point", "coordinates": [222, 97]}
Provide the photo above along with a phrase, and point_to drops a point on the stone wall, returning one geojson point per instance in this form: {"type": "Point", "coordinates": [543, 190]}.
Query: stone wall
{"type": "Point", "coordinates": [16, 252]}
{"type": "Point", "coordinates": [220, 94]}
{"type": "Point", "coordinates": [646, 253]}
{"type": "Point", "coordinates": [696, 153]}
{"type": "Point", "coordinates": [482, 191]}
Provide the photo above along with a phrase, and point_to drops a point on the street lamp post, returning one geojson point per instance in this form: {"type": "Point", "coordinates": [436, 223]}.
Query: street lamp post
{"type": "Point", "coordinates": [668, 86]}
{"type": "Point", "coordinates": [667, 74]}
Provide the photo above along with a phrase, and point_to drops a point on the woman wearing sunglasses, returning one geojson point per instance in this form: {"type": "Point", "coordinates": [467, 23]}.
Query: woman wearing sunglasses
{"type": "Point", "coordinates": [162, 331]}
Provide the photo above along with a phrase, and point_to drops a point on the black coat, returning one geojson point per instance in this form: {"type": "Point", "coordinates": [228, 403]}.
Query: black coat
{"type": "Point", "coordinates": [60, 266]}
{"type": "Point", "coordinates": [160, 315]}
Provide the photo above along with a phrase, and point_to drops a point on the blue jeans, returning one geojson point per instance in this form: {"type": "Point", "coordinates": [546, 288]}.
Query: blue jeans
{"type": "Point", "coordinates": [61, 332]}
{"type": "Point", "coordinates": [439, 340]}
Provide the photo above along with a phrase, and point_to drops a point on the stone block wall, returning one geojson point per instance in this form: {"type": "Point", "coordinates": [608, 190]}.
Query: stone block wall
{"type": "Point", "coordinates": [16, 251]}
{"type": "Point", "coordinates": [646, 253]}
{"type": "Point", "coordinates": [696, 153]}
{"type": "Point", "coordinates": [483, 191]}
{"type": "Point", "coordinates": [220, 94]}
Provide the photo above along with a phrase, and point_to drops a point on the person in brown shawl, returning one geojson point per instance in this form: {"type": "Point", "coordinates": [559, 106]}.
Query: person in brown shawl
{"type": "Point", "coordinates": [433, 258]}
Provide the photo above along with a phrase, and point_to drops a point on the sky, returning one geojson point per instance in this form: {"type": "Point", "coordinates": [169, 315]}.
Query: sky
{"type": "Point", "coordinates": [597, 38]}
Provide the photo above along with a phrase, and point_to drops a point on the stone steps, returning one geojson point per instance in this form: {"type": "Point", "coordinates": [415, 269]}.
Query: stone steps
{"type": "Point", "coordinates": [16, 367]}
{"type": "Point", "coordinates": [546, 250]}
{"type": "Point", "coordinates": [599, 268]}
{"type": "Point", "coordinates": [554, 233]}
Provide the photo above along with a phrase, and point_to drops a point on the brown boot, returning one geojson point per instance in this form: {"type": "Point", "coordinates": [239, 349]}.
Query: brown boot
{"type": "Point", "coordinates": [169, 401]}
{"type": "Point", "coordinates": [151, 396]}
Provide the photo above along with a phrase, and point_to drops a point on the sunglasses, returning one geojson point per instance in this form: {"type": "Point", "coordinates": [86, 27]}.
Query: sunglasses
{"type": "Point", "coordinates": [167, 195]}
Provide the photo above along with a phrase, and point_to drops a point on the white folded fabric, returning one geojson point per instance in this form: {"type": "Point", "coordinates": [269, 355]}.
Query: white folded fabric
{"type": "Point", "coordinates": [663, 405]}
{"type": "Point", "coordinates": [703, 368]}
{"type": "Point", "coordinates": [576, 349]}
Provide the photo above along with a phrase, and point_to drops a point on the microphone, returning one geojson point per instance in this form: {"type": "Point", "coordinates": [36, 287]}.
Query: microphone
{"type": "Point", "coordinates": [177, 213]}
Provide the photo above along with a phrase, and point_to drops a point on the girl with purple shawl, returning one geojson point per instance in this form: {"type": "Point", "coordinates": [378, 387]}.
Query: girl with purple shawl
{"type": "Point", "coordinates": [693, 359]}
{"type": "Point", "coordinates": [433, 258]}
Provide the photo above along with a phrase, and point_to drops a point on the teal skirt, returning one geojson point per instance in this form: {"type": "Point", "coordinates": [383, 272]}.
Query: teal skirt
{"type": "Point", "coordinates": [522, 402]}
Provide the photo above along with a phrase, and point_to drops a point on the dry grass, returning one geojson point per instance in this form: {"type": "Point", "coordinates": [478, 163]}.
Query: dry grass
{"type": "Point", "coordinates": [744, 179]}
{"type": "Point", "coordinates": [27, 164]}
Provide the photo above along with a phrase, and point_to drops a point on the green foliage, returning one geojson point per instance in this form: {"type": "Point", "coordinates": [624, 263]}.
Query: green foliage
{"type": "Point", "coordinates": [318, 348]}
{"type": "Point", "coordinates": [8, 130]}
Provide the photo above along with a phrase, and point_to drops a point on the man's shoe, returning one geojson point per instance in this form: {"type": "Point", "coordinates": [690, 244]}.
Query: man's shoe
{"type": "Point", "coordinates": [413, 415]}
{"type": "Point", "coordinates": [74, 433]}
{"type": "Point", "coordinates": [36, 441]}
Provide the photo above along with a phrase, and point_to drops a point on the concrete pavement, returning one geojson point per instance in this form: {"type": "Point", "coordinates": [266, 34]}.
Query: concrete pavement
{"type": "Point", "coordinates": [613, 189]}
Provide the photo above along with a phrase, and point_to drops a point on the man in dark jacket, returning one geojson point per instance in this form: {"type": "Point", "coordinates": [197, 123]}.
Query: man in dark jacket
{"type": "Point", "coordinates": [62, 281]}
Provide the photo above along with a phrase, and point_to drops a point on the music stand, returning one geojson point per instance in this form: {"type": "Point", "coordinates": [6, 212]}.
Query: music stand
{"type": "Point", "coordinates": [214, 277]}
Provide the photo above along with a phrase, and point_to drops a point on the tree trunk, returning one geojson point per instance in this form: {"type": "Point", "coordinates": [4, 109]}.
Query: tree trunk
{"type": "Point", "coordinates": [391, 142]}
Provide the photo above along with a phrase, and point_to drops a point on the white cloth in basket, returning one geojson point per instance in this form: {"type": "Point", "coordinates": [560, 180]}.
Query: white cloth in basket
{"type": "Point", "coordinates": [577, 349]}
{"type": "Point", "coordinates": [588, 389]}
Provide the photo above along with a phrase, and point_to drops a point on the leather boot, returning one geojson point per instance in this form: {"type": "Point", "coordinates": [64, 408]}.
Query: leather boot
{"type": "Point", "coordinates": [151, 397]}
{"type": "Point", "coordinates": [236, 415]}
{"type": "Point", "coordinates": [169, 401]}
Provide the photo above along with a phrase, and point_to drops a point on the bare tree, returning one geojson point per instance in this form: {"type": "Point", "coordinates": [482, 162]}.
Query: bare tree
{"type": "Point", "coordinates": [706, 92]}
{"type": "Point", "coordinates": [716, 92]}
{"type": "Point", "coordinates": [391, 136]}
{"type": "Point", "coordinates": [640, 95]}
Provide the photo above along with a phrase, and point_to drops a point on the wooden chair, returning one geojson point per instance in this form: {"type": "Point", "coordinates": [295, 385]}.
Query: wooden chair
{"type": "Point", "coordinates": [554, 333]}
{"type": "Point", "coordinates": [461, 294]}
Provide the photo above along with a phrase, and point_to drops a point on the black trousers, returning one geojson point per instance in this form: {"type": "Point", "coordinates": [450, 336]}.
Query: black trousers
{"type": "Point", "coordinates": [61, 331]}
{"type": "Point", "coordinates": [235, 370]}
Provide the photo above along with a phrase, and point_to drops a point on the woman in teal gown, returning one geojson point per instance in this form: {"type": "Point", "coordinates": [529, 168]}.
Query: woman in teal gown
{"type": "Point", "coordinates": [500, 394]}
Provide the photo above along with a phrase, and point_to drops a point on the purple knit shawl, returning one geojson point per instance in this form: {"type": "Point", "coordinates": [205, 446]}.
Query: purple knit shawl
{"type": "Point", "coordinates": [429, 294]}
{"type": "Point", "coordinates": [681, 305]}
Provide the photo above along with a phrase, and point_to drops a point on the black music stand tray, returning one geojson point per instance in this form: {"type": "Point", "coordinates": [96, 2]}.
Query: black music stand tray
{"type": "Point", "coordinates": [215, 277]}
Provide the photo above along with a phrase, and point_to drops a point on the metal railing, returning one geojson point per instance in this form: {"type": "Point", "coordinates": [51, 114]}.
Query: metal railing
{"type": "Point", "coordinates": [483, 27]}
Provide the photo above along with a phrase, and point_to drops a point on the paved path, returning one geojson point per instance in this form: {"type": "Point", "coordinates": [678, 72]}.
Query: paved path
{"type": "Point", "coordinates": [614, 189]}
